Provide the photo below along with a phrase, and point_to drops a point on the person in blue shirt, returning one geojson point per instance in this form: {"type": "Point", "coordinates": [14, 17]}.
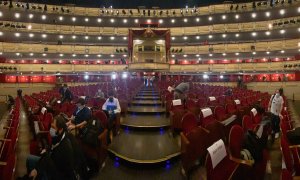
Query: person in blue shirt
{"type": "Point", "coordinates": [80, 116]}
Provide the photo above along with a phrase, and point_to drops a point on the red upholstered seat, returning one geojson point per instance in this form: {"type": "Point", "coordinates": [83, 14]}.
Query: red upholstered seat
{"type": "Point", "coordinates": [176, 117]}
{"type": "Point", "coordinates": [188, 122]}
{"type": "Point", "coordinates": [247, 123]}
{"type": "Point", "coordinates": [206, 117]}
{"type": "Point", "coordinates": [231, 108]}
{"type": "Point", "coordinates": [220, 113]}
{"type": "Point", "coordinates": [102, 117]}
{"type": "Point", "coordinates": [291, 159]}
{"type": "Point", "coordinates": [255, 116]}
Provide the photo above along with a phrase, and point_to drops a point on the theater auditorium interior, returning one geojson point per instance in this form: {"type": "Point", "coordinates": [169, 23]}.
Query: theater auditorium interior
{"type": "Point", "coordinates": [166, 90]}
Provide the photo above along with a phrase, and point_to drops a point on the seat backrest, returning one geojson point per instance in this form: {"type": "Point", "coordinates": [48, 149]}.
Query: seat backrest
{"type": "Point", "coordinates": [188, 122]}
{"type": "Point", "coordinates": [256, 117]}
{"type": "Point", "coordinates": [206, 116]}
{"type": "Point", "coordinates": [230, 108]}
{"type": "Point", "coordinates": [216, 132]}
{"type": "Point", "coordinates": [102, 117]}
{"type": "Point", "coordinates": [236, 136]}
{"type": "Point", "coordinates": [247, 123]}
{"type": "Point", "coordinates": [220, 113]}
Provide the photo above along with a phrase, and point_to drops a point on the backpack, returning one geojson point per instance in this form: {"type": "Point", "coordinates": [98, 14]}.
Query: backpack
{"type": "Point", "coordinates": [91, 132]}
{"type": "Point", "coordinates": [254, 145]}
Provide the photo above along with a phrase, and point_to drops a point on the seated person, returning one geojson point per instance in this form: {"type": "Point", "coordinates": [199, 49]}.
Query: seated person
{"type": "Point", "coordinates": [56, 162]}
{"type": "Point", "coordinates": [228, 92]}
{"type": "Point", "coordinates": [111, 107]}
{"type": "Point", "coordinates": [80, 116]}
{"type": "Point", "coordinates": [99, 94]}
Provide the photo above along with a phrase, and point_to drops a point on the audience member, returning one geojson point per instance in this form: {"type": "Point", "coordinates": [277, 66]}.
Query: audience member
{"type": "Point", "coordinates": [99, 94]}
{"type": "Point", "coordinates": [228, 92]}
{"type": "Point", "coordinates": [66, 94]}
{"type": "Point", "coordinates": [181, 90]}
{"type": "Point", "coordinates": [56, 162]}
{"type": "Point", "coordinates": [80, 116]}
{"type": "Point", "coordinates": [10, 102]}
{"type": "Point", "coordinates": [275, 107]}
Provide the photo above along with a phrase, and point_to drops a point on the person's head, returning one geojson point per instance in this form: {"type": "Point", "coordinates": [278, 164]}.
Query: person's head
{"type": "Point", "coordinates": [280, 91]}
{"type": "Point", "coordinates": [277, 94]}
{"type": "Point", "coordinates": [110, 96]}
{"type": "Point", "coordinates": [99, 90]}
{"type": "Point", "coordinates": [65, 86]}
{"type": "Point", "coordinates": [80, 103]}
{"type": "Point", "coordinates": [58, 126]}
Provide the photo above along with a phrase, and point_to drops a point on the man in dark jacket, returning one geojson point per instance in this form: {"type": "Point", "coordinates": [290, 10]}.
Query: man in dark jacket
{"type": "Point", "coordinates": [58, 161]}
{"type": "Point", "coordinates": [181, 90]}
{"type": "Point", "coordinates": [66, 94]}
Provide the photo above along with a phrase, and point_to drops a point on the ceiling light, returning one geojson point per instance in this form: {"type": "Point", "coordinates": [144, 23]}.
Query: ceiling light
{"type": "Point", "coordinates": [237, 35]}
{"type": "Point", "coordinates": [86, 19]}
{"type": "Point", "coordinates": [282, 51]}
{"type": "Point", "coordinates": [99, 37]}
{"type": "Point", "coordinates": [112, 38]}
{"type": "Point", "coordinates": [61, 36]}
{"type": "Point", "coordinates": [199, 59]}
{"type": "Point", "coordinates": [197, 37]}
{"type": "Point", "coordinates": [44, 17]}
{"type": "Point", "coordinates": [205, 76]}
{"type": "Point", "coordinates": [18, 54]}
{"type": "Point", "coordinates": [61, 18]}
{"type": "Point", "coordinates": [30, 54]}
{"type": "Point", "coordinates": [30, 16]}
{"type": "Point", "coordinates": [253, 15]}
{"type": "Point", "coordinates": [136, 21]}
{"type": "Point", "coordinates": [210, 36]}
{"type": "Point", "coordinates": [268, 33]}
{"type": "Point", "coordinates": [210, 55]}
{"type": "Point", "coordinates": [210, 18]}
{"type": "Point", "coordinates": [86, 37]}
{"type": "Point", "coordinates": [160, 21]}
{"type": "Point", "coordinates": [270, 26]}
{"type": "Point", "coordinates": [99, 55]}
{"type": "Point", "coordinates": [197, 19]}
{"type": "Point", "coordinates": [17, 34]}
{"type": "Point", "coordinates": [61, 55]}
{"type": "Point", "coordinates": [237, 54]}
{"type": "Point", "coordinates": [237, 16]}
{"type": "Point", "coordinates": [224, 35]}
{"type": "Point", "coordinates": [172, 20]}
{"type": "Point", "coordinates": [74, 55]}
{"type": "Point", "coordinates": [298, 9]}
{"type": "Point", "coordinates": [253, 53]}
{"type": "Point", "coordinates": [173, 55]}
{"type": "Point", "coordinates": [197, 55]}
{"type": "Point", "coordinates": [224, 54]}
{"type": "Point", "coordinates": [125, 38]}
{"type": "Point", "coordinates": [44, 54]}
{"type": "Point", "coordinates": [282, 31]}
{"type": "Point", "coordinates": [112, 55]}
{"type": "Point", "coordinates": [221, 77]}
{"type": "Point", "coordinates": [185, 37]}
{"type": "Point", "coordinates": [268, 52]}
{"type": "Point", "coordinates": [253, 33]}
{"type": "Point", "coordinates": [299, 29]}
{"type": "Point", "coordinates": [282, 12]}
{"type": "Point", "coordinates": [17, 15]}
{"type": "Point", "coordinates": [224, 17]}
{"type": "Point", "coordinates": [124, 55]}
{"type": "Point", "coordinates": [73, 19]}
{"type": "Point", "coordinates": [148, 20]}
{"type": "Point", "coordinates": [73, 37]}
{"type": "Point", "coordinates": [86, 55]}
{"type": "Point", "coordinates": [124, 20]}
{"type": "Point", "coordinates": [99, 20]}
{"type": "Point", "coordinates": [184, 55]}
{"type": "Point", "coordinates": [44, 35]}
{"type": "Point", "coordinates": [173, 38]}
{"type": "Point", "coordinates": [1, 33]}
{"type": "Point", "coordinates": [268, 14]}
{"type": "Point", "coordinates": [29, 27]}
{"type": "Point", "coordinates": [185, 20]}
{"type": "Point", "coordinates": [31, 35]}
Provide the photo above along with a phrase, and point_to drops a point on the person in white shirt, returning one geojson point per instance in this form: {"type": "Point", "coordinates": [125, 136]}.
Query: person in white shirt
{"type": "Point", "coordinates": [275, 107]}
{"type": "Point", "coordinates": [111, 107]}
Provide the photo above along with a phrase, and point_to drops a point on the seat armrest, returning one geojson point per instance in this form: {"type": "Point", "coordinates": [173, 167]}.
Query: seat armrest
{"type": "Point", "coordinates": [242, 161]}
{"type": "Point", "coordinates": [3, 163]}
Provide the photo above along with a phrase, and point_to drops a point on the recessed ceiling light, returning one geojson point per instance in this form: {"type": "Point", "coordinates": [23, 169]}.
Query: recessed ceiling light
{"type": "Point", "coordinates": [44, 35]}
{"type": "Point", "coordinates": [173, 38]}
{"type": "Point", "coordinates": [17, 15]}
{"type": "Point", "coordinates": [74, 55]}
{"type": "Point", "coordinates": [185, 37]}
{"type": "Point", "coordinates": [237, 35]}
{"type": "Point", "coordinates": [17, 34]}
{"type": "Point", "coordinates": [73, 37]}
{"type": "Point", "coordinates": [282, 51]}
{"type": "Point", "coordinates": [197, 37]}
{"type": "Point", "coordinates": [298, 9]}
{"type": "Point", "coordinates": [197, 55]}
{"type": "Point", "coordinates": [44, 54]}
{"type": "Point", "coordinates": [99, 20]}
{"type": "Point", "coordinates": [86, 19]}
{"type": "Point", "coordinates": [124, 20]}
{"type": "Point", "coordinates": [44, 17]}
{"type": "Point", "coordinates": [237, 16]}
{"type": "Point", "coordinates": [31, 35]}
{"type": "Point", "coordinates": [237, 54]}
{"type": "Point", "coordinates": [210, 18]}
{"type": "Point", "coordinates": [268, 52]}
{"type": "Point", "coordinates": [253, 53]}
{"type": "Point", "coordinates": [1, 33]}
{"type": "Point", "coordinates": [86, 55]}
{"type": "Point", "coordinates": [61, 36]}
{"type": "Point", "coordinates": [29, 27]}
{"type": "Point", "coordinates": [160, 21]}
{"type": "Point", "coordinates": [224, 35]}
{"type": "Point", "coordinates": [197, 19]}
{"type": "Point", "coordinates": [282, 11]}
{"type": "Point", "coordinates": [282, 31]}
{"type": "Point", "coordinates": [61, 55]}
{"type": "Point", "coordinates": [61, 18]}
{"type": "Point", "coordinates": [184, 55]}
{"type": "Point", "coordinates": [298, 29]}
{"type": "Point", "coordinates": [136, 21]}
{"type": "Point", "coordinates": [86, 37]}
{"type": "Point", "coordinates": [125, 38]}
{"type": "Point", "coordinates": [73, 19]}
{"type": "Point", "coordinates": [18, 54]}
{"type": "Point", "coordinates": [112, 38]}
{"type": "Point", "coordinates": [148, 20]}
{"type": "Point", "coordinates": [30, 16]}
{"type": "Point", "coordinates": [224, 17]}
{"type": "Point", "coordinates": [268, 14]}
{"type": "Point", "coordinates": [253, 33]}
{"type": "Point", "coordinates": [99, 37]}
{"type": "Point", "coordinates": [268, 33]}
{"type": "Point", "coordinates": [224, 54]}
{"type": "Point", "coordinates": [185, 20]}
{"type": "Point", "coordinates": [210, 55]}
{"type": "Point", "coordinates": [124, 55]}
{"type": "Point", "coordinates": [210, 36]}
{"type": "Point", "coordinates": [173, 55]}
{"type": "Point", "coordinates": [30, 54]}
{"type": "Point", "coordinates": [270, 26]}
{"type": "Point", "coordinates": [253, 15]}
{"type": "Point", "coordinates": [99, 55]}
{"type": "Point", "coordinates": [112, 55]}
{"type": "Point", "coordinates": [172, 20]}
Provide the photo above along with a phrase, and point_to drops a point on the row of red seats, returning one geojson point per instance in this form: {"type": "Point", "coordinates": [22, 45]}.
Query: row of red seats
{"type": "Point", "coordinates": [8, 143]}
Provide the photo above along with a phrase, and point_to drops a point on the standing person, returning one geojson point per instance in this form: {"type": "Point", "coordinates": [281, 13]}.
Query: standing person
{"type": "Point", "coordinates": [152, 80]}
{"type": "Point", "coordinates": [111, 107]}
{"type": "Point", "coordinates": [181, 90]}
{"type": "Point", "coordinates": [19, 92]}
{"type": "Point", "coordinates": [275, 107]}
{"type": "Point", "coordinates": [66, 94]}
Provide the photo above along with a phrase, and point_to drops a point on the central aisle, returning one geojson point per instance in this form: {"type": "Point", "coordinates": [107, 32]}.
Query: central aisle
{"type": "Point", "coordinates": [144, 138]}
